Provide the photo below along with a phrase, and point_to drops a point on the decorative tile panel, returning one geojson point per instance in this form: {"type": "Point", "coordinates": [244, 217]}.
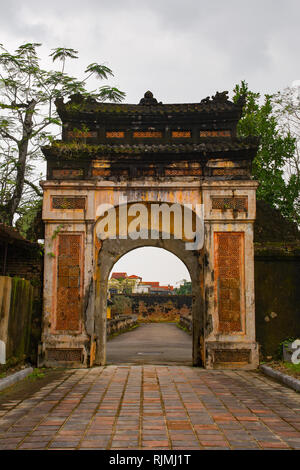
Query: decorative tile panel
{"type": "Point", "coordinates": [183, 172]}
{"type": "Point", "coordinates": [232, 355]}
{"type": "Point", "coordinates": [68, 202]}
{"type": "Point", "coordinates": [230, 172]}
{"type": "Point", "coordinates": [100, 172]}
{"type": "Point", "coordinates": [68, 282]}
{"type": "Point", "coordinates": [229, 280]}
{"type": "Point", "coordinates": [147, 135]}
{"type": "Point", "coordinates": [67, 174]}
{"type": "Point", "coordinates": [181, 134]}
{"type": "Point", "coordinates": [239, 203]}
{"type": "Point", "coordinates": [225, 133]}
{"type": "Point", "coordinates": [115, 135]}
{"type": "Point", "coordinates": [64, 355]}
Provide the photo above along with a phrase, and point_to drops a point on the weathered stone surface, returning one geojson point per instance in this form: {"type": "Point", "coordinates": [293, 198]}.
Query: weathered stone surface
{"type": "Point", "coordinates": [16, 306]}
{"type": "Point", "coordinates": [229, 281]}
{"type": "Point", "coordinates": [68, 283]}
{"type": "Point", "coordinates": [170, 154]}
{"type": "Point", "coordinates": [16, 377]}
{"type": "Point", "coordinates": [152, 407]}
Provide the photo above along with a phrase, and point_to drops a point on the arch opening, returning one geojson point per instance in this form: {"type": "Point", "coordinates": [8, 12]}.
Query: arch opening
{"type": "Point", "coordinates": [142, 290]}
{"type": "Point", "coordinates": [112, 251]}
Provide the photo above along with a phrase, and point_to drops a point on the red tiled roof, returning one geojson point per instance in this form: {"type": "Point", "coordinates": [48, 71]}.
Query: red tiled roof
{"type": "Point", "coordinates": [153, 284]}
{"type": "Point", "coordinates": [119, 276]}
{"type": "Point", "coordinates": [165, 287]}
{"type": "Point", "coordinates": [133, 276]}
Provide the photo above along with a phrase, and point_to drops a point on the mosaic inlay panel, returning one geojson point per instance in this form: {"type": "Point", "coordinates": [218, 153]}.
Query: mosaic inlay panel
{"type": "Point", "coordinates": [235, 203]}
{"type": "Point", "coordinates": [68, 282]}
{"type": "Point", "coordinates": [225, 133]}
{"type": "Point", "coordinates": [65, 355]}
{"type": "Point", "coordinates": [181, 134]}
{"type": "Point", "coordinates": [147, 135]}
{"type": "Point", "coordinates": [229, 288]}
{"type": "Point", "coordinates": [60, 202]}
{"type": "Point", "coordinates": [115, 135]}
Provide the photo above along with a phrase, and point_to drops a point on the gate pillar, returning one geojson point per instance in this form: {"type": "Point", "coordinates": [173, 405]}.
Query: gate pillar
{"type": "Point", "coordinates": [229, 274]}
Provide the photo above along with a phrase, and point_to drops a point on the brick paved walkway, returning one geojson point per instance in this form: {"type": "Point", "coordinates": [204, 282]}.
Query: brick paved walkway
{"type": "Point", "coordinates": [154, 407]}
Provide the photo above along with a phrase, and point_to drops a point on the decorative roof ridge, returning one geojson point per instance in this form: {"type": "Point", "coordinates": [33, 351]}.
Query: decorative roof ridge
{"type": "Point", "coordinates": [77, 100]}
{"type": "Point", "coordinates": [251, 139]}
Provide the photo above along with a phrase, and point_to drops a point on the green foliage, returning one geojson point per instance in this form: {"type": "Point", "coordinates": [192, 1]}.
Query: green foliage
{"type": "Point", "coordinates": [285, 343]}
{"type": "Point", "coordinates": [276, 150]}
{"type": "Point", "coordinates": [28, 119]}
{"type": "Point", "coordinates": [30, 222]}
{"type": "Point", "coordinates": [36, 374]}
{"type": "Point", "coordinates": [292, 367]}
{"type": "Point", "coordinates": [183, 328]}
{"type": "Point", "coordinates": [122, 285]}
{"type": "Point", "coordinates": [185, 288]}
{"type": "Point", "coordinates": [120, 304]}
{"type": "Point", "coordinates": [126, 330]}
{"type": "Point", "coordinates": [56, 231]}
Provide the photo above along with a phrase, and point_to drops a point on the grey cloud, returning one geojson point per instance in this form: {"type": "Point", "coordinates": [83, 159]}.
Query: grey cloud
{"type": "Point", "coordinates": [183, 50]}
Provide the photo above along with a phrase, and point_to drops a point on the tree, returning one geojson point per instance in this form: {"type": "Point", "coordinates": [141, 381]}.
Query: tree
{"type": "Point", "coordinates": [122, 285]}
{"type": "Point", "coordinates": [276, 151]}
{"type": "Point", "coordinates": [121, 305]}
{"type": "Point", "coordinates": [28, 114]}
{"type": "Point", "coordinates": [287, 112]}
{"type": "Point", "coordinates": [185, 288]}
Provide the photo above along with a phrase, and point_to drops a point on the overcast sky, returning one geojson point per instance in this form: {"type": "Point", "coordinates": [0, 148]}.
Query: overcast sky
{"type": "Point", "coordinates": [181, 50]}
{"type": "Point", "coordinates": [153, 264]}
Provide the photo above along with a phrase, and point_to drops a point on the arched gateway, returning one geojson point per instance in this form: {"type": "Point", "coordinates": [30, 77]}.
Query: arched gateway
{"type": "Point", "coordinates": [118, 171]}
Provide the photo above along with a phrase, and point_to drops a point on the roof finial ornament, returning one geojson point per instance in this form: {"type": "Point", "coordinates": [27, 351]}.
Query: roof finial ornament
{"type": "Point", "coordinates": [219, 97]}
{"type": "Point", "coordinates": [148, 99]}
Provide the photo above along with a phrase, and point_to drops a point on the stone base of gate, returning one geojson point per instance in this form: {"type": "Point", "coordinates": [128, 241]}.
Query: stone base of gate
{"type": "Point", "coordinates": [72, 355]}
{"type": "Point", "coordinates": [219, 355]}
{"type": "Point", "coordinates": [232, 355]}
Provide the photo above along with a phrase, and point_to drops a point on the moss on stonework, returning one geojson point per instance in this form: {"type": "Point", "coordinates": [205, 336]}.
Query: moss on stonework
{"type": "Point", "coordinates": [80, 150]}
{"type": "Point", "coordinates": [277, 250]}
{"type": "Point", "coordinates": [19, 325]}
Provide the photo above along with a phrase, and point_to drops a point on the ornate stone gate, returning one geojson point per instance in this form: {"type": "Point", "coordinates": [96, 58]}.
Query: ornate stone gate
{"type": "Point", "coordinates": [184, 154]}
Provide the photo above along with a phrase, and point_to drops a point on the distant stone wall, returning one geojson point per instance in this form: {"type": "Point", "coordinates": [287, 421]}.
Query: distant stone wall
{"type": "Point", "coordinates": [117, 325]}
{"type": "Point", "coordinates": [16, 306]}
{"type": "Point", "coordinates": [186, 322]}
{"type": "Point", "coordinates": [277, 296]}
{"type": "Point", "coordinates": [148, 304]}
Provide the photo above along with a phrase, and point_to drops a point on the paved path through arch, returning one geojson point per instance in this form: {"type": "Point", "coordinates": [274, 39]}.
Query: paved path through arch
{"type": "Point", "coordinates": [144, 406]}
{"type": "Point", "coordinates": [152, 343]}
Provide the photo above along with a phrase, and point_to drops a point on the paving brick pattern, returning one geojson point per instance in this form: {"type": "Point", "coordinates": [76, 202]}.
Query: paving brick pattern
{"type": "Point", "coordinates": [154, 407]}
